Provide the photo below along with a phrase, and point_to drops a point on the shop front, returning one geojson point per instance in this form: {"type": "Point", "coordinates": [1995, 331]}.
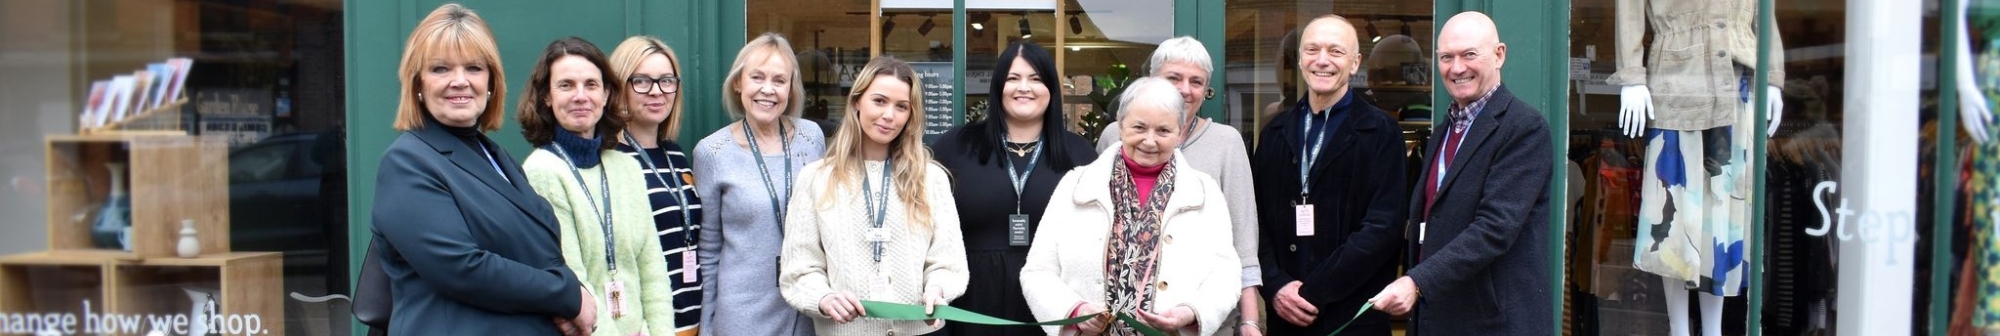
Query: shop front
{"type": "Point", "coordinates": [1723, 167]}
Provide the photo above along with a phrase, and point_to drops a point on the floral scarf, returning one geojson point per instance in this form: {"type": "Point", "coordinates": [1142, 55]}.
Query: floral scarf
{"type": "Point", "coordinates": [1133, 252]}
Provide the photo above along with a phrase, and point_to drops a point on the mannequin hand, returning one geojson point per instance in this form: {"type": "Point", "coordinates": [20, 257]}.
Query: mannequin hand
{"type": "Point", "coordinates": [1973, 110]}
{"type": "Point", "coordinates": [1776, 98]}
{"type": "Point", "coordinates": [1635, 106]}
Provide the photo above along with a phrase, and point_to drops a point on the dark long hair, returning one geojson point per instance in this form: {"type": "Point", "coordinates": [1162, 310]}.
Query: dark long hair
{"type": "Point", "coordinates": [538, 120]}
{"type": "Point", "coordinates": [982, 138]}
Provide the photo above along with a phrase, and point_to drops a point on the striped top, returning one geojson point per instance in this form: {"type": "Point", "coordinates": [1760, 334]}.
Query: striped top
{"type": "Point", "coordinates": [674, 241]}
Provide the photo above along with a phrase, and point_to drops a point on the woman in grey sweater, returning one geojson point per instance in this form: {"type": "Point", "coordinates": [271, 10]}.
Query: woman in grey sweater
{"type": "Point", "coordinates": [1185, 63]}
{"type": "Point", "coordinates": [744, 206]}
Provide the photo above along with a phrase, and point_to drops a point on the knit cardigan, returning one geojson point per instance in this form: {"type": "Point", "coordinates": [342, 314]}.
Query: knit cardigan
{"type": "Point", "coordinates": [648, 290]}
{"type": "Point", "coordinates": [826, 250]}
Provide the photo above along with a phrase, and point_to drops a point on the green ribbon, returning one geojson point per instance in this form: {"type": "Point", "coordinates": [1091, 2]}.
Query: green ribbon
{"type": "Point", "coordinates": [1350, 320]}
{"type": "Point", "coordinates": [909, 312]}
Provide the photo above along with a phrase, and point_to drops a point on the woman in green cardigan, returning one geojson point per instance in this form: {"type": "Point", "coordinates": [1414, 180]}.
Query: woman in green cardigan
{"type": "Point", "coordinates": [598, 194]}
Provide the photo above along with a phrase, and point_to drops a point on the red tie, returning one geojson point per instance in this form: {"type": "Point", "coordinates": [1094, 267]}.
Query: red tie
{"type": "Point", "coordinates": [1449, 150]}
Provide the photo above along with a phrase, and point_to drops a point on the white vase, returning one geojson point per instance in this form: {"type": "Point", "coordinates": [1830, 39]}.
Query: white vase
{"type": "Point", "coordinates": [205, 305]}
{"type": "Point", "coordinates": [189, 246]}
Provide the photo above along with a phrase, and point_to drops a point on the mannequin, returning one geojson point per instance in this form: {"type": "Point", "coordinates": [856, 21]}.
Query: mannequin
{"type": "Point", "coordinates": [1975, 112]}
{"type": "Point", "coordinates": [1695, 195]}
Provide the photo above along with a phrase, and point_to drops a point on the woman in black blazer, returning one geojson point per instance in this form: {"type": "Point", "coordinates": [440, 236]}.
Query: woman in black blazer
{"type": "Point", "coordinates": [468, 246]}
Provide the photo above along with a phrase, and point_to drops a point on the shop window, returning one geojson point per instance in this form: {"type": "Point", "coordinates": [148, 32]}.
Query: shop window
{"type": "Point", "coordinates": [1662, 216]}
{"type": "Point", "coordinates": [130, 121]}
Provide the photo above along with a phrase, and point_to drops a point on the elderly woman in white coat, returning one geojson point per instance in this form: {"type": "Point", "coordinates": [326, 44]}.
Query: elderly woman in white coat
{"type": "Point", "coordinates": [1142, 235]}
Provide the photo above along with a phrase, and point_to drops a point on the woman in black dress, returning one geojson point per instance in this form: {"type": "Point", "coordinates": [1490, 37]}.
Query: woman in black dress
{"type": "Point", "coordinates": [1003, 169]}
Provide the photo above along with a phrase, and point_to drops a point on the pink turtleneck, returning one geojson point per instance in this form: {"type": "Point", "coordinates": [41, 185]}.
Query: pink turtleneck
{"type": "Point", "coordinates": [1143, 177]}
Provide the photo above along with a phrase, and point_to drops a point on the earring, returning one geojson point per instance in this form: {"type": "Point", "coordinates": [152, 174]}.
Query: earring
{"type": "Point", "coordinates": [420, 96]}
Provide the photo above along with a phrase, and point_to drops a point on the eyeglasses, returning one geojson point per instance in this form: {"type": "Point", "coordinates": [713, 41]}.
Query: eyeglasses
{"type": "Point", "coordinates": [643, 84]}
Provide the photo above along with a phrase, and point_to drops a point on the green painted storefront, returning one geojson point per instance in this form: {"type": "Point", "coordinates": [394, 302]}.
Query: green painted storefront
{"type": "Point", "coordinates": [707, 34]}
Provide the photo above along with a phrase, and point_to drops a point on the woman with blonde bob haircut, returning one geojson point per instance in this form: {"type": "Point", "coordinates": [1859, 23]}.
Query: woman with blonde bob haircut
{"type": "Point", "coordinates": [466, 244]}
{"type": "Point", "coordinates": [652, 114]}
{"type": "Point", "coordinates": [908, 250]}
{"type": "Point", "coordinates": [745, 207]}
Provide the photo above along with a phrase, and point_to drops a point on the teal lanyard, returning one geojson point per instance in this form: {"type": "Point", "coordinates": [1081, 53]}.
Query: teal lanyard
{"type": "Point", "coordinates": [603, 209]}
{"type": "Point", "coordinates": [785, 145]}
{"type": "Point", "coordinates": [687, 219]}
{"type": "Point", "coordinates": [880, 199]}
{"type": "Point", "coordinates": [1310, 152]}
{"type": "Point", "coordinates": [1020, 178]}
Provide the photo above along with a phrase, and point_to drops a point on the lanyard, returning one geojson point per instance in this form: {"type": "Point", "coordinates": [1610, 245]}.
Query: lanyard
{"type": "Point", "coordinates": [881, 199]}
{"type": "Point", "coordinates": [495, 162]}
{"type": "Point", "coordinates": [687, 219]}
{"type": "Point", "coordinates": [603, 209]}
{"type": "Point", "coordinates": [1310, 152]}
{"type": "Point", "coordinates": [1191, 134]}
{"type": "Point", "coordinates": [1020, 178]}
{"type": "Point", "coordinates": [785, 145]}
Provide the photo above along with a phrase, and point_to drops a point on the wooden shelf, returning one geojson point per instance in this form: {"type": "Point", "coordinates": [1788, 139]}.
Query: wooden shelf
{"type": "Point", "coordinates": [70, 258]}
{"type": "Point", "coordinates": [168, 178]}
{"type": "Point", "coordinates": [215, 259]}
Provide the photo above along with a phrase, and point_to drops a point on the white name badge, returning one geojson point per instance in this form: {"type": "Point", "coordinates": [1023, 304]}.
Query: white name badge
{"type": "Point", "coordinates": [876, 235]}
{"type": "Point", "coordinates": [1304, 222]}
{"type": "Point", "coordinates": [880, 290]}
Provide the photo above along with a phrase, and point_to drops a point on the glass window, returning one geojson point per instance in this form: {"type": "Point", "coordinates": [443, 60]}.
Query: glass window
{"type": "Point", "coordinates": [1261, 56]}
{"type": "Point", "coordinates": [1662, 175]}
{"type": "Point", "coordinates": [139, 130]}
{"type": "Point", "coordinates": [1108, 44]}
{"type": "Point", "coordinates": [993, 28]}
{"type": "Point", "coordinates": [832, 42]}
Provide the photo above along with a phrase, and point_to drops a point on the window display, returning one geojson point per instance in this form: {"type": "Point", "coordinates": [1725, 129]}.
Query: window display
{"type": "Point", "coordinates": [175, 166]}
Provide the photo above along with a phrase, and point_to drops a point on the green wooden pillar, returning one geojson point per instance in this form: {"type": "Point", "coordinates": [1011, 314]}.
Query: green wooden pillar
{"type": "Point", "coordinates": [1537, 36]}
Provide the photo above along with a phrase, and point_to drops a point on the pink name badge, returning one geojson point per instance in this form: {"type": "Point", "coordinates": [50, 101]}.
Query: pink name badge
{"type": "Point", "coordinates": [1304, 213]}
{"type": "Point", "coordinates": [617, 303]}
{"type": "Point", "coordinates": [690, 270]}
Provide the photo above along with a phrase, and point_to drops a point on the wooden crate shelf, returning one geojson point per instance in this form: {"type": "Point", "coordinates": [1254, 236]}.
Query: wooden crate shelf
{"type": "Point", "coordinates": [169, 178]}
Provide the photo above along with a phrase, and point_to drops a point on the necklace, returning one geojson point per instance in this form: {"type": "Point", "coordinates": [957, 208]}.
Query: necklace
{"type": "Point", "coordinates": [1021, 149]}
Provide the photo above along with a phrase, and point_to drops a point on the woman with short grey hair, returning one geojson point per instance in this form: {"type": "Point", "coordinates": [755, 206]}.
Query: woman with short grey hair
{"type": "Point", "coordinates": [1183, 62]}
{"type": "Point", "coordinates": [1140, 235]}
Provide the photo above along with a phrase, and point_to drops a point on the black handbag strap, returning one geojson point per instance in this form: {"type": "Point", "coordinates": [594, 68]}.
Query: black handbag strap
{"type": "Point", "coordinates": [373, 302]}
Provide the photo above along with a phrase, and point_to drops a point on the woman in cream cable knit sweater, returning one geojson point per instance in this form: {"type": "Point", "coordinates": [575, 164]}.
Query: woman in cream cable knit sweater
{"type": "Point", "coordinates": [575, 168]}
{"type": "Point", "coordinates": [874, 220]}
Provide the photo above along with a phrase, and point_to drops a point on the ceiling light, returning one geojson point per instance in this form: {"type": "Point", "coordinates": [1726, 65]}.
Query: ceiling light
{"type": "Point", "coordinates": [977, 26]}
{"type": "Point", "coordinates": [925, 28]}
{"type": "Point", "coordinates": [1026, 30]}
{"type": "Point", "coordinates": [1075, 48]}
{"type": "Point", "coordinates": [1075, 25]}
{"type": "Point", "coordinates": [1378, 38]}
{"type": "Point", "coordinates": [888, 24]}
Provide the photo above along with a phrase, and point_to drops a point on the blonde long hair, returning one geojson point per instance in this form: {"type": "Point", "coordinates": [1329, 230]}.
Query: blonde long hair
{"type": "Point", "coordinates": [912, 159]}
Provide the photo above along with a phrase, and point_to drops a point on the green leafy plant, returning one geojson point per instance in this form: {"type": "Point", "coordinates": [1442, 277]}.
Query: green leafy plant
{"type": "Point", "coordinates": [1103, 98]}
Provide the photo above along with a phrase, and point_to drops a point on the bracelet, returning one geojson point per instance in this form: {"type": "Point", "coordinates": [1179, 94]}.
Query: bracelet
{"type": "Point", "coordinates": [1249, 323]}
